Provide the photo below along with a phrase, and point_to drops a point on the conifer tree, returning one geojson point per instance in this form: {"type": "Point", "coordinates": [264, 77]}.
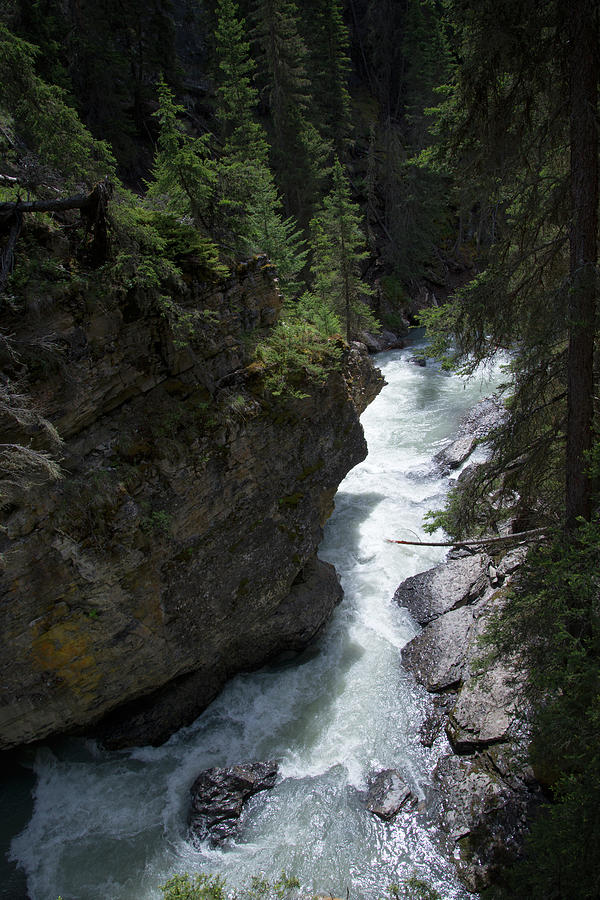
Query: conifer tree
{"type": "Point", "coordinates": [508, 130]}
{"type": "Point", "coordinates": [108, 54]}
{"type": "Point", "coordinates": [249, 200]}
{"type": "Point", "coordinates": [184, 175]}
{"type": "Point", "coordinates": [236, 95]}
{"type": "Point", "coordinates": [327, 39]}
{"type": "Point", "coordinates": [298, 152]}
{"type": "Point", "coordinates": [336, 242]}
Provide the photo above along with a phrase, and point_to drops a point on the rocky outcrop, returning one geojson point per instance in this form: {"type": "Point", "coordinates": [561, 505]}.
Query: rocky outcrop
{"type": "Point", "coordinates": [386, 794]}
{"type": "Point", "coordinates": [180, 546]}
{"type": "Point", "coordinates": [384, 340]}
{"type": "Point", "coordinates": [483, 788]}
{"type": "Point", "coordinates": [219, 795]}
{"type": "Point", "coordinates": [474, 428]}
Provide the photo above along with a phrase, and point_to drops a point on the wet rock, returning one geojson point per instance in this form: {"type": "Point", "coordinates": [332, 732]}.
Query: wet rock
{"type": "Point", "coordinates": [435, 720]}
{"type": "Point", "coordinates": [483, 815]}
{"type": "Point", "coordinates": [219, 795]}
{"type": "Point", "coordinates": [418, 361]}
{"type": "Point", "coordinates": [443, 588]}
{"type": "Point", "coordinates": [436, 657]}
{"type": "Point", "coordinates": [473, 428]}
{"type": "Point", "coordinates": [487, 793]}
{"type": "Point", "coordinates": [386, 794]}
{"type": "Point", "coordinates": [511, 561]}
{"type": "Point", "coordinates": [385, 340]}
{"type": "Point", "coordinates": [456, 453]}
{"type": "Point", "coordinates": [488, 414]}
{"type": "Point", "coordinates": [484, 711]}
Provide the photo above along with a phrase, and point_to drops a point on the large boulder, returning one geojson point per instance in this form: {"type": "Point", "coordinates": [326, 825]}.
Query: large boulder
{"type": "Point", "coordinates": [483, 814]}
{"type": "Point", "coordinates": [485, 709]}
{"type": "Point", "coordinates": [446, 587]}
{"type": "Point", "coordinates": [219, 795]}
{"type": "Point", "coordinates": [473, 429]}
{"type": "Point", "coordinates": [386, 794]}
{"type": "Point", "coordinates": [436, 656]}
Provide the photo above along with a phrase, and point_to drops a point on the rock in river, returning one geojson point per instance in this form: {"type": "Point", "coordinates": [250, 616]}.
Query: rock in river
{"type": "Point", "coordinates": [218, 796]}
{"type": "Point", "coordinates": [387, 793]}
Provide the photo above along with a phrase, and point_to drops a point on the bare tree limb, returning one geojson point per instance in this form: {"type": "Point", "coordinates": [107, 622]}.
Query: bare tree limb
{"type": "Point", "coordinates": [531, 535]}
{"type": "Point", "coordinates": [93, 208]}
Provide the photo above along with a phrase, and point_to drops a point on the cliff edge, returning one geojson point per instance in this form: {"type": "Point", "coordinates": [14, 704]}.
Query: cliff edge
{"type": "Point", "coordinates": [179, 547]}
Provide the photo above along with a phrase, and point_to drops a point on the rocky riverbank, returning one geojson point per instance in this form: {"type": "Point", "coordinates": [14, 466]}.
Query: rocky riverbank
{"type": "Point", "coordinates": [483, 789]}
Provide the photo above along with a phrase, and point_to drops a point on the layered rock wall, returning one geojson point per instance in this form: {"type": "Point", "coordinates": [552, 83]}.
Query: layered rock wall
{"type": "Point", "coordinates": [179, 547]}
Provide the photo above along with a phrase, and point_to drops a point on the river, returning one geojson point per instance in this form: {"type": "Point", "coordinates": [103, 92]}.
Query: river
{"type": "Point", "coordinates": [112, 825]}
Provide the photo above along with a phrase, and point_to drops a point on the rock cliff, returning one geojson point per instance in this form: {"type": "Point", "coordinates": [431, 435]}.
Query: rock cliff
{"type": "Point", "coordinates": [180, 546]}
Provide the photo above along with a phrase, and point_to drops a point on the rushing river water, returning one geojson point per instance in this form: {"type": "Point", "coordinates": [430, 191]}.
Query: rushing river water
{"type": "Point", "coordinates": [112, 826]}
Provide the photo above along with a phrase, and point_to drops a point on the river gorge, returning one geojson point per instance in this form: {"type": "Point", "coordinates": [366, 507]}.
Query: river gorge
{"type": "Point", "coordinates": [113, 823]}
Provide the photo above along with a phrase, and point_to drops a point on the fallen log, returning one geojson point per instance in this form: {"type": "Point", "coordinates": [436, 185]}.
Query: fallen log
{"type": "Point", "coordinates": [518, 536]}
{"type": "Point", "coordinates": [93, 207]}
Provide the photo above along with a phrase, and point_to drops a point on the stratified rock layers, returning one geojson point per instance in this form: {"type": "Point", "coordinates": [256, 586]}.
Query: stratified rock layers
{"type": "Point", "coordinates": [180, 547]}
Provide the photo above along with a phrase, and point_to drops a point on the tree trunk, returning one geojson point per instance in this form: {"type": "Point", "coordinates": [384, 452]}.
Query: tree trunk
{"type": "Point", "coordinates": [582, 18]}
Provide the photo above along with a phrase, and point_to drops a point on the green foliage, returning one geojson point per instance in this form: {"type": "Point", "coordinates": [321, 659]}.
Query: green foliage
{"type": "Point", "coordinates": [327, 40]}
{"type": "Point", "coordinates": [274, 235]}
{"type": "Point", "coordinates": [298, 151]}
{"type": "Point", "coordinates": [336, 242]}
{"type": "Point", "coordinates": [213, 887]}
{"type": "Point", "coordinates": [184, 175]}
{"type": "Point", "coordinates": [294, 356]}
{"type": "Point", "coordinates": [44, 120]}
{"type": "Point", "coordinates": [550, 625]}
{"type": "Point", "coordinates": [107, 55]}
{"type": "Point", "coordinates": [311, 309]}
{"type": "Point", "coordinates": [158, 521]}
{"type": "Point", "coordinates": [141, 259]}
{"type": "Point", "coordinates": [503, 132]}
{"type": "Point", "coordinates": [236, 95]}
{"type": "Point", "coordinates": [200, 887]}
{"type": "Point", "coordinates": [413, 888]}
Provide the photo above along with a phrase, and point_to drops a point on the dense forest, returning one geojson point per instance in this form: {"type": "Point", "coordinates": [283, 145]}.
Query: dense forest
{"type": "Point", "coordinates": [388, 157]}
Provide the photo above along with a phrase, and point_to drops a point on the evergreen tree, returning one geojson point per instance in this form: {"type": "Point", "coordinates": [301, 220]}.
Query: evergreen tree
{"type": "Point", "coordinates": [184, 175]}
{"type": "Point", "coordinates": [509, 135]}
{"type": "Point", "coordinates": [336, 242]}
{"type": "Point", "coordinates": [236, 95]}
{"type": "Point", "coordinates": [298, 152]}
{"type": "Point", "coordinates": [327, 38]}
{"type": "Point", "coordinates": [108, 53]}
{"type": "Point", "coordinates": [44, 122]}
{"type": "Point", "coordinates": [249, 200]}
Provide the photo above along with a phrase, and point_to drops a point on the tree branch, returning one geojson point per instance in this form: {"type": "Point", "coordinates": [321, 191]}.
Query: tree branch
{"type": "Point", "coordinates": [531, 535]}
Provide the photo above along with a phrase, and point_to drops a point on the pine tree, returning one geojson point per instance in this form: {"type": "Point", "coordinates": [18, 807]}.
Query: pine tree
{"type": "Point", "coordinates": [336, 242]}
{"type": "Point", "coordinates": [184, 175]}
{"type": "Point", "coordinates": [298, 152]}
{"type": "Point", "coordinates": [510, 133]}
{"type": "Point", "coordinates": [327, 38]}
{"type": "Point", "coordinates": [248, 200]}
{"type": "Point", "coordinates": [237, 97]}
{"type": "Point", "coordinates": [44, 121]}
{"type": "Point", "coordinates": [108, 54]}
